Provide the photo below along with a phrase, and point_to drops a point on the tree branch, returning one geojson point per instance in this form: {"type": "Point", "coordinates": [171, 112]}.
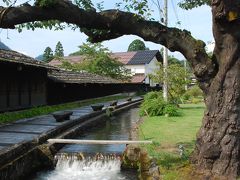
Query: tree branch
{"type": "Point", "coordinates": [115, 23]}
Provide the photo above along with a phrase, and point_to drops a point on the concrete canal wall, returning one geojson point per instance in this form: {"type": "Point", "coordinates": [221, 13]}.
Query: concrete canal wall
{"type": "Point", "coordinates": [23, 158]}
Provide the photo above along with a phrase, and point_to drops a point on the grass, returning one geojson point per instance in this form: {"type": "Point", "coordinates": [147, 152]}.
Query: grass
{"type": "Point", "coordinates": [36, 111]}
{"type": "Point", "coordinates": [168, 133]}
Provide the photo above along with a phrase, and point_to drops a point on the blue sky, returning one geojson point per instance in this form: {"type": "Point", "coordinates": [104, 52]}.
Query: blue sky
{"type": "Point", "coordinates": [33, 43]}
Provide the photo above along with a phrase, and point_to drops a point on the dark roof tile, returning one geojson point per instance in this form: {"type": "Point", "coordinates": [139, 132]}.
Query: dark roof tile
{"type": "Point", "coordinates": [144, 57]}
{"type": "Point", "coordinates": [80, 77]}
{"type": "Point", "coordinates": [15, 57]}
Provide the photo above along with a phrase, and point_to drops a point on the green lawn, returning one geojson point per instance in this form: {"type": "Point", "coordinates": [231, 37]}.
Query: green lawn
{"type": "Point", "coordinates": [168, 133]}
{"type": "Point", "coordinates": [28, 113]}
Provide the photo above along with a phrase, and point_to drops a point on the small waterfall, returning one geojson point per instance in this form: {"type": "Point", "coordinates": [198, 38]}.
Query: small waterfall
{"type": "Point", "coordinates": [78, 167]}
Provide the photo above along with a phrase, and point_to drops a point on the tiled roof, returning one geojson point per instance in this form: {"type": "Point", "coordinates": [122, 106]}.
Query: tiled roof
{"type": "Point", "coordinates": [70, 59]}
{"type": "Point", "coordinates": [124, 57]}
{"type": "Point", "coordinates": [144, 57]}
{"type": "Point", "coordinates": [79, 77]}
{"type": "Point", "coordinates": [138, 78]}
{"type": "Point", "coordinates": [15, 57]}
{"type": "Point", "coordinates": [127, 58]}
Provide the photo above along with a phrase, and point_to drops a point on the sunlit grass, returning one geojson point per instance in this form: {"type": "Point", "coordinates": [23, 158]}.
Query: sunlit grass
{"type": "Point", "coordinates": [168, 133]}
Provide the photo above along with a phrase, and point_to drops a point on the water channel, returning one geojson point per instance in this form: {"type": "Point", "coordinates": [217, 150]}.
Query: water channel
{"type": "Point", "coordinates": [107, 167]}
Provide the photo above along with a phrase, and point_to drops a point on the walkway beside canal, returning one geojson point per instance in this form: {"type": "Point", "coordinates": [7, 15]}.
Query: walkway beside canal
{"type": "Point", "coordinates": [33, 129]}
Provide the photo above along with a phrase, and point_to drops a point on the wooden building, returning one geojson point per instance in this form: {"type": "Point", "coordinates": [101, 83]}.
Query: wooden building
{"type": "Point", "coordinates": [67, 86]}
{"type": "Point", "coordinates": [23, 81]}
{"type": "Point", "coordinates": [26, 82]}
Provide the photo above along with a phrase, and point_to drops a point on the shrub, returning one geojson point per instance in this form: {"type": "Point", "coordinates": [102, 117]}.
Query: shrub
{"type": "Point", "coordinates": [195, 91]}
{"type": "Point", "coordinates": [193, 95]}
{"type": "Point", "coordinates": [153, 95]}
{"type": "Point", "coordinates": [154, 105]}
{"type": "Point", "coordinates": [171, 110]}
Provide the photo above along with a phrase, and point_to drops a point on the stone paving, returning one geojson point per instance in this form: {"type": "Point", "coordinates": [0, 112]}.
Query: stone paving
{"type": "Point", "coordinates": [31, 128]}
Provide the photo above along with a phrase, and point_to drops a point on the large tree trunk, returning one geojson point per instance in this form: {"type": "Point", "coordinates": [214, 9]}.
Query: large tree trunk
{"type": "Point", "coordinates": [218, 141]}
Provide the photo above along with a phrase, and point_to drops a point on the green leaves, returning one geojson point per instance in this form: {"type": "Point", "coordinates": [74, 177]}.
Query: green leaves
{"type": "Point", "coordinates": [137, 45]}
{"type": "Point", "coordinates": [140, 7]}
{"type": "Point", "coordinates": [48, 54]}
{"type": "Point", "coordinates": [85, 4]}
{"type": "Point", "coordinates": [176, 79]}
{"type": "Point", "coordinates": [51, 25]}
{"type": "Point", "coordinates": [154, 105]}
{"type": "Point", "coordinates": [59, 52]}
{"type": "Point", "coordinates": [46, 3]}
{"type": "Point", "coordinates": [97, 59]}
{"type": "Point", "coordinates": [190, 4]}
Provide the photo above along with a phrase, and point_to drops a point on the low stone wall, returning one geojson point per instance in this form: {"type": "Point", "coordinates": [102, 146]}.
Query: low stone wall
{"type": "Point", "coordinates": [28, 157]}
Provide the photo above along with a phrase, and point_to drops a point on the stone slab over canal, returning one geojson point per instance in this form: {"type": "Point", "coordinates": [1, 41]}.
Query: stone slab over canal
{"type": "Point", "coordinates": [17, 139]}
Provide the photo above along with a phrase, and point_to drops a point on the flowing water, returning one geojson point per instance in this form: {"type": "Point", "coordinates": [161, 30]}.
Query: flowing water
{"type": "Point", "coordinates": [95, 162]}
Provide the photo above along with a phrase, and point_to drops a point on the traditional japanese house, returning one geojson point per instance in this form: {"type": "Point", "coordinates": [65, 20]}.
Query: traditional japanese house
{"type": "Point", "coordinates": [23, 81]}
{"type": "Point", "coordinates": [26, 82]}
{"type": "Point", "coordinates": [66, 86]}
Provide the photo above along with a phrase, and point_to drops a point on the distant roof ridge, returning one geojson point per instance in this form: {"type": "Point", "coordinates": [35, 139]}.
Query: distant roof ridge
{"type": "Point", "coordinates": [80, 77]}
{"type": "Point", "coordinates": [16, 57]}
{"type": "Point", "coordinates": [133, 51]}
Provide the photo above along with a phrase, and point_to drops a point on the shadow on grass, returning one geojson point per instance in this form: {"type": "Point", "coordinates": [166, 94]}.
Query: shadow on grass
{"type": "Point", "coordinates": [172, 160]}
{"type": "Point", "coordinates": [169, 160]}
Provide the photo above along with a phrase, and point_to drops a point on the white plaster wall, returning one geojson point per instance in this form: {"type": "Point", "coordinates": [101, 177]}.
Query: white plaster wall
{"type": "Point", "coordinates": [145, 69]}
{"type": "Point", "coordinates": [136, 69]}
{"type": "Point", "coordinates": [150, 69]}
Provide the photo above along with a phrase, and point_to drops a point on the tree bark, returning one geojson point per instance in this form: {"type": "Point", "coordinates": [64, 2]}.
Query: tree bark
{"type": "Point", "coordinates": [218, 141]}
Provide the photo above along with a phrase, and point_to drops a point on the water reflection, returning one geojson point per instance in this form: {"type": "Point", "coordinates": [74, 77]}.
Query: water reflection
{"type": "Point", "coordinates": [115, 128]}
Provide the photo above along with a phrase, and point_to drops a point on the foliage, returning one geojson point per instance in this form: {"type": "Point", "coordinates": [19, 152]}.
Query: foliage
{"type": "Point", "coordinates": [48, 54]}
{"type": "Point", "coordinates": [154, 105]}
{"type": "Point", "coordinates": [36, 111]}
{"type": "Point", "coordinates": [173, 60]}
{"type": "Point", "coordinates": [194, 95]}
{"type": "Point", "coordinates": [140, 7]}
{"type": "Point", "coordinates": [171, 110]}
{"type": "Point", "coordinates": [45, 3]}
{"type": "Point", "coordinates": [190, 4]}
{"type": "Point", "coordinates": [59, 52]}
{"type": "Point", "coordinates": [153, 95]}
{"type": "Point", "coordinates": [137, 45]}
{"type": "Point", "coordinates": [97, 59]}
{"type": "Point", "coordinates": [195, 91]}
{"type": "Point", "coordinates": [176, 79]}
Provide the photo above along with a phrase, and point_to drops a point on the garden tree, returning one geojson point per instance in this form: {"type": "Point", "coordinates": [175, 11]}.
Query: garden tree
{"type": "Point", "coordinates": [137, 45]}
{"type": "Point", "coordinates": [97, 59]}
{"type": "Point", "coordinates": [48, 54]}
{"type": "Point", "coordinates": [173, 60]}
{"type": "Point", "coordinates": [218, 141]}
{"type": "Point", "coordinates": [59, 50]}
{"type": "Point", "coordinates": [177, 79]}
